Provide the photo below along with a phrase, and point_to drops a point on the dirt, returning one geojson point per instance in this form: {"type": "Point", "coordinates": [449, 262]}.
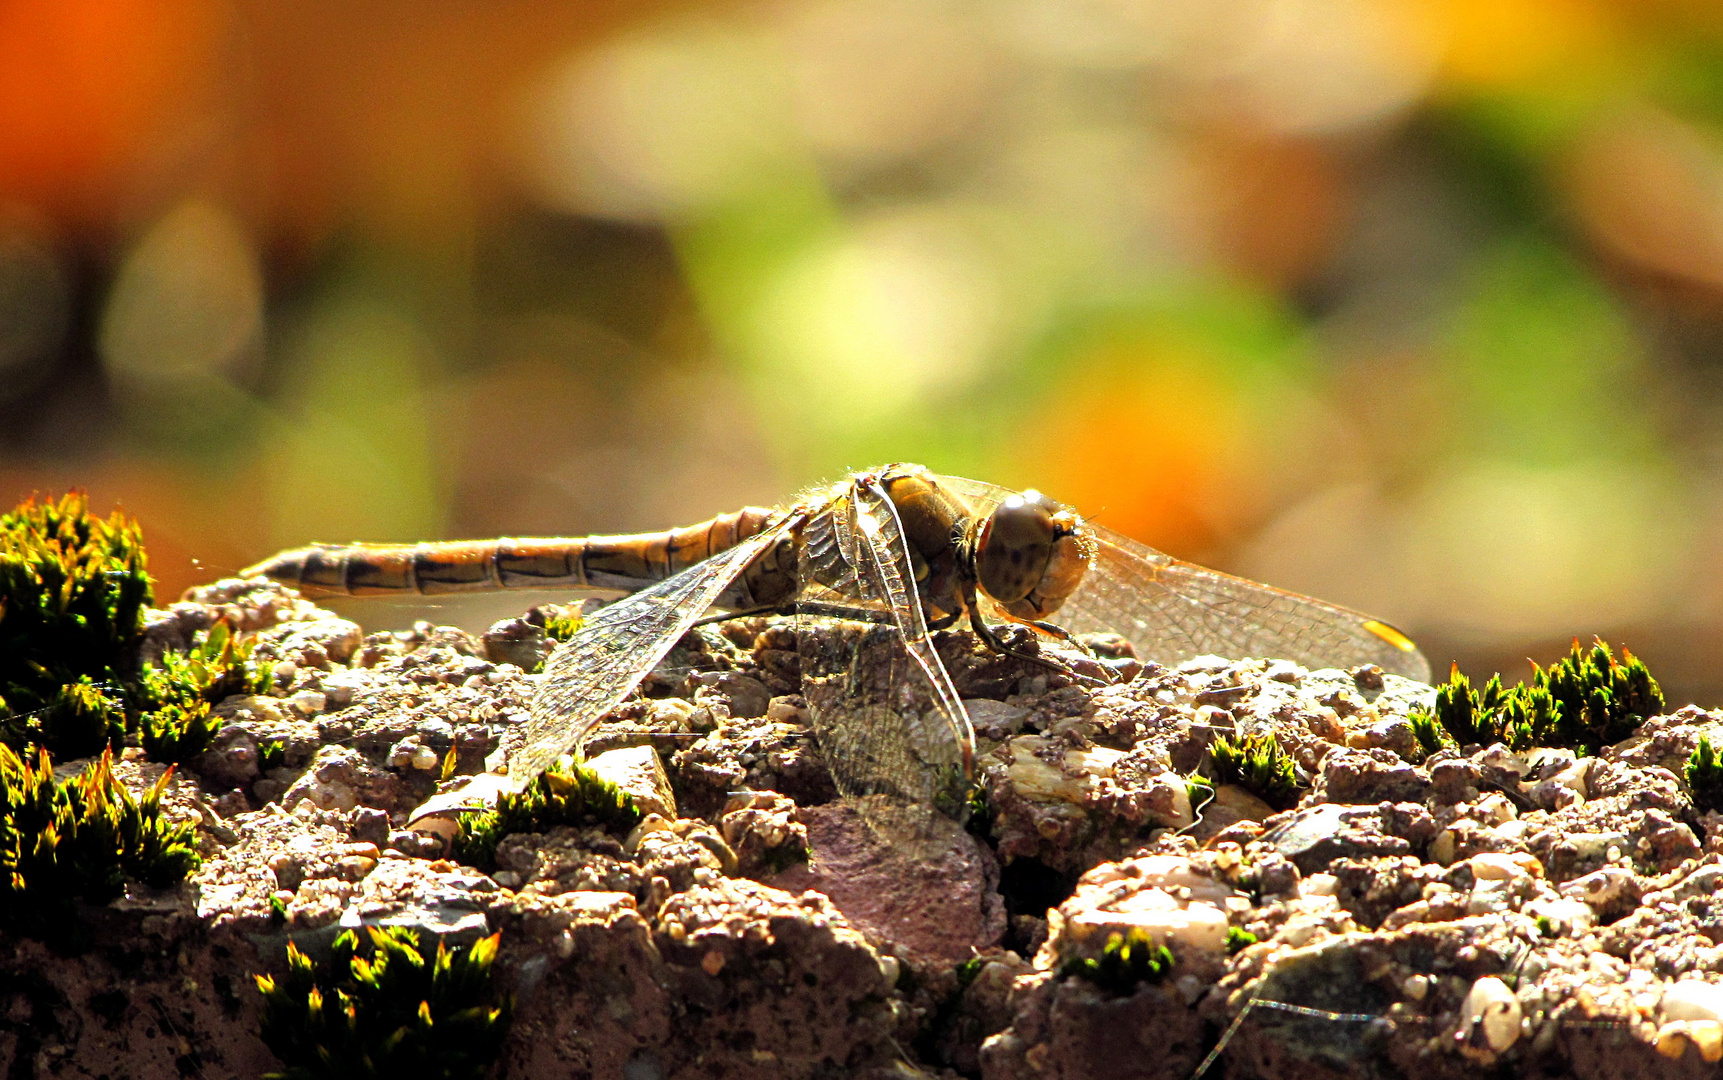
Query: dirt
{"type": "Point", "coordinates": [1526, 914]}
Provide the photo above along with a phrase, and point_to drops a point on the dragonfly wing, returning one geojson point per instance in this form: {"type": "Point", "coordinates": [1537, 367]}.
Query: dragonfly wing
{"type": "Point", "coordinates": [616, 647]}
{"type": "Point", "coordinates": [889, 720]}
{"type": "Point", "coordinates": [1172, 610]}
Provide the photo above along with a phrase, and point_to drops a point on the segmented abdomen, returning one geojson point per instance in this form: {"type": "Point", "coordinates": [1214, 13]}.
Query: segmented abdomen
{"type": "Point", "coordinates": [625, 563]}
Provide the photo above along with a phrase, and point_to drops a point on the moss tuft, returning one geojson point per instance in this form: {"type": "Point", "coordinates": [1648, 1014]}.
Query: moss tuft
{"type": "Point", "coordinates": [271, 754]}
{"type": "Point", "coordinates": [1127, 961]}
{"type": "Point", "coordinates": [560, 796]}
{"type": "Point", "coordinates": [1585, 701]}
{"type": "Point", "coordinates": [387, 1010]}
{"type": "Point", "coordinates": [1199, 789]}
{"type": "Point", "coordinates": [176, 693]}
{"type": "Point", "coordinates": [79, 839]}
{"type": "Point", "coordinates": [1429, 735]}
{"type": "Point", "coordinates": [1257, 764]}
{"type": "Point", "coordinates": [177, 733]}
{"type": "Point", "coordinates": [1238, 940]}
{"type": "Point", "coordinates": [563, 627]}
{"type": "Point", "coordinates": [73, 589]}
{"type": "Point", "coordinates": [1705, 777]}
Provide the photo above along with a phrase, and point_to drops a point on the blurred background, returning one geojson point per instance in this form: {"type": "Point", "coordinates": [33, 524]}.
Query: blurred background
{"type": "Point", "coordinates": [1415, 305]}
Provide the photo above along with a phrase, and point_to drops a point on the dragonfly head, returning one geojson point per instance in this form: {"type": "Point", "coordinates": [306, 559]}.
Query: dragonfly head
{"type": "Point", "coordinates": [1031, 554]}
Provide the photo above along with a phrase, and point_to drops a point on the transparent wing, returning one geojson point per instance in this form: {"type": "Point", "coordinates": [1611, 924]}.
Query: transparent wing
{"type": "Point", "coordinates": [616, 647]}
{"type": "Point", "coordinates": [889, 721]}
{"type": "Point", "coordinates": [1172, 610]}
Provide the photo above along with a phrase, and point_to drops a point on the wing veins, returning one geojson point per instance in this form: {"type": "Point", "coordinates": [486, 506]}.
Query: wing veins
{"type": "Point", "coordinates": [888, 551]}
{"type": "Point", "coordinates": [617, 647]}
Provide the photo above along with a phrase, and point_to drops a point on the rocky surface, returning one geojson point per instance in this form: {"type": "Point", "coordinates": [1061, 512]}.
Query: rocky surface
{"type": "Point", "coordinates": [1527, 914]}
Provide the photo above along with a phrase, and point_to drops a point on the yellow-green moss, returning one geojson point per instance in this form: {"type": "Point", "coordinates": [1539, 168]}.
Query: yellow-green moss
{"type": "Point", "coordinates": [384, 1007]}
{"type": "Point", "coordinates": [1127, 961]}
{"type": "Point", "coordinates": [560, 796]}
{"type": "Point", "coordinates": [73, 589]}
{"type": "Point", "coordinates": [79, 839]}
{"type": "Point", "coordinates": [1585, 701]}
{"type": "Point", "coordinates": [1257, 764]}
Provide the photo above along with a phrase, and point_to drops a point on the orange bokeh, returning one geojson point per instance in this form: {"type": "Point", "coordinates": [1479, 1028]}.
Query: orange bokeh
{"type": "Point", "coordinates": [87, 89]}
{"type": "Point", "coordinates": [1148, 443]}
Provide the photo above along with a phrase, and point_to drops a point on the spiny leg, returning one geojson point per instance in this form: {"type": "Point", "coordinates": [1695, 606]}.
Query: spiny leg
{"type": "Point", "coordinates": [803, 607]}
{"type": "Point", "coordinates": [990, 638]}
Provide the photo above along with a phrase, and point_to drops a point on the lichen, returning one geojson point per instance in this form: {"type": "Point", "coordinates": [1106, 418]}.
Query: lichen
{"type": "Point", "coordinates": [79, 839]}
{"type": "Point", "coordinates": [571, 795]}
{"type": "Point", "coordinates": [393, 1012]}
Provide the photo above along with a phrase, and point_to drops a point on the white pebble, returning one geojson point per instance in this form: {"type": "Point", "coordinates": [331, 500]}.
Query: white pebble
{"type": "Point", "coordinates": [1692, 999]}
{"type": "Point", "coordinates": [1491, 1005]}
{"type": "Point", "coordinates": [309, 702]}
{"type": "Point", "coordinates": [1495, 866]}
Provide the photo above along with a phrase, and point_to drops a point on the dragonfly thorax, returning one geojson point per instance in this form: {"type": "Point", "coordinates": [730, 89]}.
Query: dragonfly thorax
{"type": "Point", "coordinates": [1031, 554]}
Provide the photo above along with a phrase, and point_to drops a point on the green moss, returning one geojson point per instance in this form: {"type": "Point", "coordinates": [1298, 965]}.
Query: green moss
{"type": "Point", "coordinates": [969, 970]}
{"type": "Point", "coordinates": [1429, 735]}
{"type": "Point", "coordinates": [977, 812]}
{"type": "Point", "coordinates": [79, 839]}
{"type": "Point", "coordinates": [1705, 777]}
{"type": "Point", "coordinates": [73, 589]}
{"type": "Point", "coordinates": [1238, 940]}
{"type": "Point", "coordinates": [1200, 790]}
{"type": "Point", "coordinates": [177, 733]}
{"type": "Point", "coordinates": [1600, 701]}
{"type": "Point", "coordinates": [271, 754]}
{"type": "Point", "coordinates": [176, 693]}
{"type": "Point", "coordinates": [1257, 764]}
{"type": "Point", "coordinates": [384, 1011]}
{"type": "Point", "coordinates": [571, 796]}
{"type": "Point", "coordinates": [563, 627]}
{"type": "Point", "coordinates": [1127, 961]}
{"type": "Point", "coordinates": [1585, 701]}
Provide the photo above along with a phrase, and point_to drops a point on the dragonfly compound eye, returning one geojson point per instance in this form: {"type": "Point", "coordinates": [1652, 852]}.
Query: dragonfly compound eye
{"type": "Point", "coordinates": [1015, 545]}
{"type": "Point", "coordinates": [1073, 551]}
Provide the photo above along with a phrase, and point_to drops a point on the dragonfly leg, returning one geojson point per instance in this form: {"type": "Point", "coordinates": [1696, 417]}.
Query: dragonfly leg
{"type": "Point", "coordinates": [994, 642]}
{"type": "Point", "coordinates": [806, 607]}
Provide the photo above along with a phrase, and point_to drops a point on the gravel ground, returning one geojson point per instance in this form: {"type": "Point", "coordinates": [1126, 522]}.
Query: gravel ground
{"type": "Point", "coordinates": [1526, 914]}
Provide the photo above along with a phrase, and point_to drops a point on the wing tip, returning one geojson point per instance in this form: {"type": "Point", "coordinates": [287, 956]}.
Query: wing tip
{"type": "Point", "coordinates": [1417, 666]}
{"type": "Point", "coordinates": [1390, 635]}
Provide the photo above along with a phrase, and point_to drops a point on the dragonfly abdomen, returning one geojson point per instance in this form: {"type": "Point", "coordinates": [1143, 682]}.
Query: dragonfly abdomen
{"type": "Point", "coordinates": [626, 563]}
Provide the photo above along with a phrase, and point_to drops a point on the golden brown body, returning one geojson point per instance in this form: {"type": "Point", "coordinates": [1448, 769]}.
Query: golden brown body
{"type": "Point", "coordinates": [624, 563]}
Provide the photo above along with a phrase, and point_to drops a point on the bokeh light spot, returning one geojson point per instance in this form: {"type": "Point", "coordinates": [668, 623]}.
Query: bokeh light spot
{"type": "Point", "coordinates": [880, 319]}
{"type": "Point", "coordinates": [658, 122]}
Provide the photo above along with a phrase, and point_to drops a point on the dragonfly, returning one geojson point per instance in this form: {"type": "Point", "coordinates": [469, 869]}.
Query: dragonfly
{"type": "Point", "coordinates": [871, 566]}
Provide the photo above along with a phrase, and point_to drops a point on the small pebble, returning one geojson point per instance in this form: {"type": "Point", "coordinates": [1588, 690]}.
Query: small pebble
{"type": "Point", "coordinates": [1493, 1007]}
{"type": "Point", "coordinates": [1692, 999]}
